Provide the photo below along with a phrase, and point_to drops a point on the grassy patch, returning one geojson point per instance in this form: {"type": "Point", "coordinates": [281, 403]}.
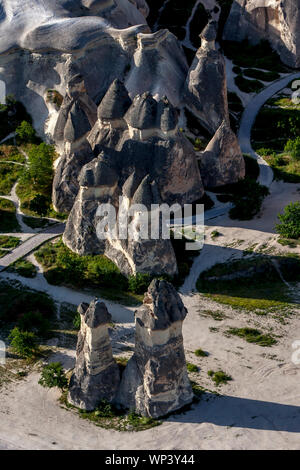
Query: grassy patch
{"type": "Point", "coordinates": [252, 335]}
{"type": "Point", "coordinates": [36, 222]}
{"type": "Point", "coordinates": [248, 86]}
{"type": "Point", "coordinates": [273, 127]}
{"type": "Point", "coordinates": [24, 268]}
{"type": "Point", "coordinates": [9, 174]}
{"type": "Point", "coordinates": [108, 417]}
{"type": "Point", "coordinates": [285, 167]}
{"type": "Point", "coordinates": [63, 267]}
{"type": "Point", "coordinates": [219, 377]}
{"type": "Point", "coordinates": [11, 153]}
{"type": "Point", "coordinates": [260, 56]}
{"type": "Point", "coordinates": [261, 75]}
{"type": "Point", "coordinates": [215, 315]}
{"type": "Point", "coordinates": [16, 301]}
{"type": "Point", "coordinates": [9, 242]}
{"type": "Point", "coordinates": [192, 367]}
{"type": "Point", "coordinates": [8, 219]}
{"type": "Point", "coordinates": [250, 284]}
{"type": "Point", "coordinates": [200, 353]}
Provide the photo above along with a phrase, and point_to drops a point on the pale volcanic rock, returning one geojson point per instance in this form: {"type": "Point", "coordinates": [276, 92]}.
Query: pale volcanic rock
{"type": "Point", "coordinates": [206, 86]}
{"type": "Point", "coordinates": [222, 161]}
{"type": "Point", "coordinates": [152, 163]}
{"type": "Point", "coordinates": [155, 381]}
{"type": "Point", "coordinates": [277, 21]}
{"type": "Point", "coordinates": [96, 376]}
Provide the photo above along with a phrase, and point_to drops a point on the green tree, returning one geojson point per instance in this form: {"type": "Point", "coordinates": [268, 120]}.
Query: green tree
{"type": "Point", "coordinates": [40, 168]}
{"type": "Point", "coordinates": [290, 221]}
{"type": "Point", "coordinates": [53, 376]}
{"type": "Point", "coordinates": [23, 342]}
{"type": "Point", "coordinates": [25, 132]}
{"type": "Point", "coordinates": [40, 204]}
{"type": "Point", "coordinates": [293, 148]}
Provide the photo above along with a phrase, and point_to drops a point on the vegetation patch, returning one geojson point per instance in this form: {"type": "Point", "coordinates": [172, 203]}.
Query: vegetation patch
{"type": "Point", "coordinates": [251, 284]}
{"type": "Point", "coordinates": [261, 75]}
{"type": "Point", "coordinates": [8, 219]}
{"type": "Point", "coordinates": [63, 267]}
{"type": "Point", "coordinates": [219, 377]}
{"type": "Point", "coordinates": [35, 184]}
{"type": "Point", "coordinates": [289, 226]}
{"type": "Point", "coordinates": [200, 353]}
{"type": "Point", "coordinates": [252, 335]}
{"type": "Point", "coordinates": [259, 56]}
{"type": "Point", "coordinates": [192, 367]}
{"type": "Point", "coordinates": [11, 115]}
{"type": "Point", "coordinates": [9, 174]}
{"type": "Point", "coordinates": [9, 242]}
{"type": "Point", "coordinates": [24, 268]}
{"type": "Point", "coordinates": [108, 416]}
{"type": "Point", "coordinates": [11, 153]}
{"type": "Point", "coordinates": [248, 86]}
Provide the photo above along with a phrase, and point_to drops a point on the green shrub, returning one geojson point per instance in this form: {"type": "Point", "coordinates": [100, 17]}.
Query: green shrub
{"type": "Point", "coordinates": [219, 377]}
{"type": "Point", "coordinates": [53, 376]}
{"type": "Point", "coordinates": [248, 199]}
{"type": "Point", "coordinates": [252, 335]}
{"type": "Point", "coordinates": [25, 132]}
{"type": "Point", "coordinates": [23, 342]}
{"type": "Point", "coordinates": [200, 353]}
{"type": "Point", "coordinates": [9, 242]}
{"type": "Point", "coordinates": [293, 147]}
{"type": "Point", "coordinates": [139, 283]}
{"type": "Point", "coordinates": [35, 322]}
{"type": "Point", "coordinates": [261, 75]}
{"type": "Point", "coordinates": [77, 321]}
{"type": "Point", "coordinates": [191, 367]}
{"type": "Point", "coordinates": [24, 268]}
{"type": "Point", "coordinates": [248, 86]}
{"type": "Point", "coordinates": [290, 222]}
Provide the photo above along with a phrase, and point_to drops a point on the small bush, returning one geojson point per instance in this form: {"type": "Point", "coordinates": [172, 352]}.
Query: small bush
{"type": "Point", "coordinates": [248, 199]}
{"type": "Point", "coordinates": [139, 284]}
{"type": "Point", "coordinates": [23, 342]}
{"type": "Point", "coordinates": [191, 367]}
{"type": "Point", "coordinates": [35, 322]}
{"type": "Point", "coordinates": [53, 376]}
{"type": "Point", "coordinates": [252, 335]}
{"type": "Point", "coordinates": [290, 222]}
{"type": "Point", "coordinates": [25, 132]}
{"type": "Point", "coordinates": [77, 321]}
{"type": "Point", "coordinates": [200, 353]}
{"type": "Point", "coordinates": [293, 148]}
{"type": "Point", "coordinates": [219, 377]}
{"type": "Point", "coordinates": [248, 86]}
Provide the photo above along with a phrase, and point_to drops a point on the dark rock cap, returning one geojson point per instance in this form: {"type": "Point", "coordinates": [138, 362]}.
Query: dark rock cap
{"type": "Point", "coordinates": [162, 306]}
{"type": "Point", "coordinates": [115, 103]}
{"type": "Point", "coordinates": [97, 314]}
{"type": "Point", "coordinates": [77, 124]}
{"type": "Point", "coordinates": [143, 112]}
{"type": "Point", "coordinates": [210, 31]}
{"type": "Point", "coordinates": [98, 172]}
{"type": "Point", "coordinates": [168, 115]}
{"type": "Point", "coordinates": [82, 308]}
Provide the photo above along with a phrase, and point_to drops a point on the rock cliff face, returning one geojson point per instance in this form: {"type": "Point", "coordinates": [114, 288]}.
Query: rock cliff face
{"type": "Point", "coordinates": [222, 161]}
{"type": "Point", "coordinates": [206, 96]}
{"type": "Point", "coordinates": [275, 20]}
{"type": "Point", "coordinates": [101, 53]}
{"type": "Point", "coordinates": [155, 381]}
{"type": "Point", "coordinates": [96, 376]}
{"type": "Point", "coordinates": [206, 86]}
{"type": "Point", "coordinates": [140, 146]}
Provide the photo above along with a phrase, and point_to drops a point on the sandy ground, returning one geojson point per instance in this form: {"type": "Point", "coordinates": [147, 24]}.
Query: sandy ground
{"type": "Point", "coordinates": [258, 409]}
